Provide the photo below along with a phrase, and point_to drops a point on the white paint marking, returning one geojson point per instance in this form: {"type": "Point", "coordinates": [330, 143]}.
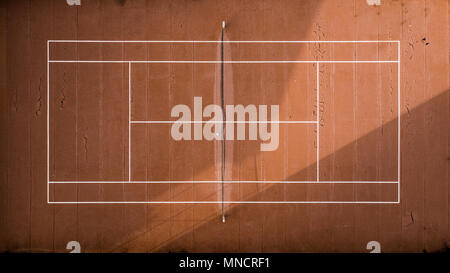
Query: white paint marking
{"type": "Point", "coordinates": [226, 182]}
{"type": "Point", "coordinates": [218, 62]}
{"type": "Point", "coordinates": [237, 62]}
{"type": "Point", "coordinates": [129, 123]}
{"type": "Point", "coordinates": [398, 123]}
{"type": "Point", "coordinates": [218, 41]}
{"type": "Point", "coordinates": [48, 123]}
{"type": "Point", "coordinates": [317, 124]}
{"type": "Point", "coordinates": [219, 202]}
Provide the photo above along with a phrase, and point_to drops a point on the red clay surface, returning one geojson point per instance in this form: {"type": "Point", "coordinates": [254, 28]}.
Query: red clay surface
{"type": "Point", "coordinates": [357, 112]}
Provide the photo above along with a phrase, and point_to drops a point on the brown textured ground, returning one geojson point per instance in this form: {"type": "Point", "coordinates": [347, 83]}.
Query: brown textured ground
{"type": "Point", "coordinates": [89, 113]}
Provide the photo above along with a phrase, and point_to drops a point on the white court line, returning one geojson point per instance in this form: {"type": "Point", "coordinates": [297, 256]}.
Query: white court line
{"type": "Point", "coordinates": [219, 121]}
{"type": "Point", "coordinates": [215, 62]}
{"type": "Point", "coordinates": [218, 41]}
{"type": "Point", "coordinates": [129, 124]}
{"type": "Point", "coordinates": [317, 124]}
{"type": "Point", "coordinates": [226, 182]}
{"type": "Point", "coordinates": [398, 122]}
{"type": "Point", "coordinates": [48, 123]}
{"type": "Point", "coordinates": [218, 62]}
{"type": "Point", "coordinates": [225, 202]}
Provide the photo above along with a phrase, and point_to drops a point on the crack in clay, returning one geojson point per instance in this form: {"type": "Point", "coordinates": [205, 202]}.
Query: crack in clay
{"type": "Point", "coordinates": [62, 96]}
{"type": "Point", "coordinates": [38, 111]}
{"type": "Point", "coordinates": [38, 106]}
{"type": "Point", "coordinates": [85, 144]}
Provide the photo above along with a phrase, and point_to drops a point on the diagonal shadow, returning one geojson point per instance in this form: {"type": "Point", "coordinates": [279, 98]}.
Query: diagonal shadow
{"type": "Point", "coordinates": [289, 227]}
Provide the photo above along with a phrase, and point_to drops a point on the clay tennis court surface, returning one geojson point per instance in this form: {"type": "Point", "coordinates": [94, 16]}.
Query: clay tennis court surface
{"type": "Point", "coordinates": [362, 139]}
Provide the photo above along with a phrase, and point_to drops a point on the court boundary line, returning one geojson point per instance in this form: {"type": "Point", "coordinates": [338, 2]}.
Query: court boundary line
{"type": "Point", "coordinates": [226, 182]}
{"type": "Point", "coordinates": [219, 62]}
{"type": "Point", "coordinates": [227, 42]}
{"type": "Point", "coordinates": [317, 122]}
{"type": "Point", "coordinates": [225, 202]}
